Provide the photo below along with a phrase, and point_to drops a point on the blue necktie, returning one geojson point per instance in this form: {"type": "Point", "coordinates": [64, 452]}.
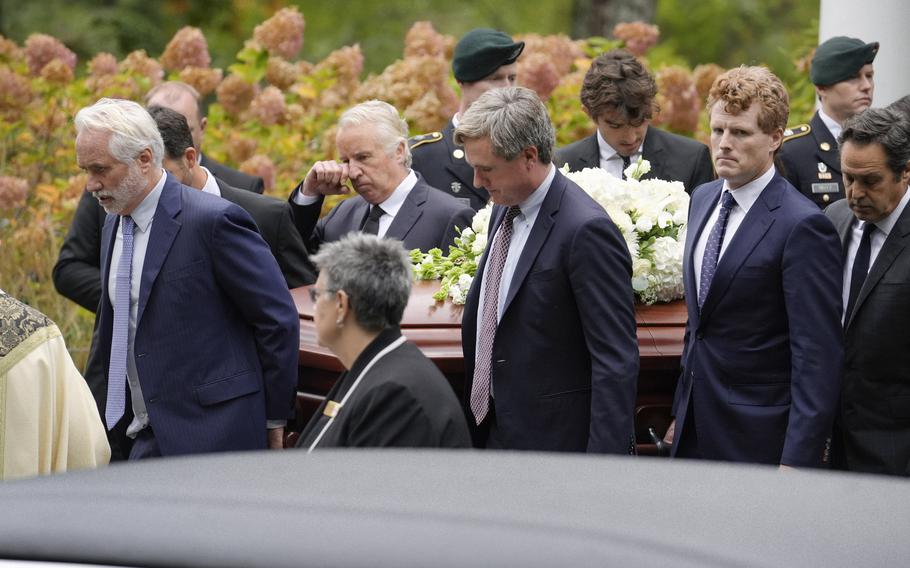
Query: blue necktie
{"type": "Point", "coordinates": [860, 269]}
{"type": "Point", "coordinates": [116, 376]}
{"type": "Point", "coordinates": [712, 247]}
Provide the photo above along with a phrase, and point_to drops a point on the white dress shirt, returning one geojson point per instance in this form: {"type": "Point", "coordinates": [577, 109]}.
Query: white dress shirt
{"type": "Point", "coordinates": [610, 160]}
{"type": "Point", "coordinates": [832, 124]}
{"type": "Point", "coordinates": [390, 206]}
{"type": "Point", "coordinates": [211, 184]}
{"type": "Point", "coordinates": [877, 240]}
{"type": "Point", "coordinates": [521, 229]}
{"type": "Point", "coordinates": [744, 198]}
{"type": "Point", "coordinates": [142, 215]}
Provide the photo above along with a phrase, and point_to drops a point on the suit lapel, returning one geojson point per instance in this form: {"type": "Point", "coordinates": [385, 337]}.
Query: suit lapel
{"type": "Point", "coordinates": [653, 150]}
{"type": "Point", "coordinates": [590, 155]}
{"type": "Point", "coordinates": [698, 217]}
{"type": "Point", "coordinates": [164, 230]}
{"type": "Point", "coordinates": [538, 236]}
{"type": "Point", "coordinates": [891, 249]}
{"type": "Point", "coordinates": [411, 210]}
{"type": "Point", "coordinates": [751, 231]}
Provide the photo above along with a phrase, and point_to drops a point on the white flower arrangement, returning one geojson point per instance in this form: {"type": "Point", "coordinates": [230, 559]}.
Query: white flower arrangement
{"type": "Point", "coordinates": [651, 214]}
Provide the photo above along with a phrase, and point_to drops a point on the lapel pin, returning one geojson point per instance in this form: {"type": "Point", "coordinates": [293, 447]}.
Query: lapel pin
{"type": "Point", "coordinates": [458, 153]}
{"type": "Point", "coordinates": [825, 146]}
{"type": "Point", "coordinates": [455, 186]}
{"type": "Point", "coordinates": [822, 167]}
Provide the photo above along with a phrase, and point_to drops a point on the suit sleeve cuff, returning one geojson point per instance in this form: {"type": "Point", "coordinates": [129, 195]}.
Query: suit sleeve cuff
{"type": "Point", "coordinates": [300, 199]}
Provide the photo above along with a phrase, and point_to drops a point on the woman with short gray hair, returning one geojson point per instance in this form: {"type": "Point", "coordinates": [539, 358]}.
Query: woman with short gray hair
{"type": "Point", "coordinates": [390, 394]}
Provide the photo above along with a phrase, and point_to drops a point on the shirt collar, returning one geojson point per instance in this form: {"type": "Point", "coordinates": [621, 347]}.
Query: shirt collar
{"type": "Point", "coordinates": [144, 212]}
{"type": "Point", "coordinates": [832, 124]}
{"type": "Point", "coordinates": [211, 184]}
{"type": "Point", "coordinates": [530, 206]}
{"type": "Point", "coordinates": [885, 225]}
{"type": "Point", "coordinates": [746, 195]}
{"type": "Point", "coordinates": [394, 202]}
{"type": "Point", "coordinates": [608, 153]}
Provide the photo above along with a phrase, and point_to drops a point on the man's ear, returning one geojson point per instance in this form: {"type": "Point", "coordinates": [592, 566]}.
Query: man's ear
{"type": "Point", "coordinates": [191, 157]}
{"type": "Point", "coordinates": [145, 159]}
{"type": "Point", "coordinates": [203, 122]}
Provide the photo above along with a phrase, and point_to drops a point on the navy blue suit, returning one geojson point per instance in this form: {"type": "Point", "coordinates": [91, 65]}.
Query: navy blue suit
{"type": "Point", "coordinates": [763, 358]}
{"type": "Point", "coordinates": [565, 357]}
{"type": "Point", "coordinates": [217, 333]}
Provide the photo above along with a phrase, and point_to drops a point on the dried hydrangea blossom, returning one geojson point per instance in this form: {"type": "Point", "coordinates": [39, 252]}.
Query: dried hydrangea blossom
{"type": "Point", "coordinates": [423, 39]}
{"type": "Point", "coordinates": [235, 94]}
{"type": "Point", "coordinates": [538, 73]}
{"type": "Point", "coordinates": [282, 34]}
{"type": "Point", "coordinates": [280, 73]}
{"type": "Point", "coordinates": [704, 76]}
{"type": "Point", "coordinates": [269, 107]}
{"type": "Point", "coordinates": [204, 79]}
{"type": "Point", "coordinates": [262, 166]}
{"type": "Point", "coordinates": [638, 37]}
{"type": "Point", "coordinates": [13, 192]}
{"type": "Point", "coordinates": [41, 49]}
{"type": "Point", "coordinates": [102, 64]}
{"type": "Point", "coordinates": [187, 48]}
{"type": "Point", "coordinates": [15, 92]}
{"type": "Point", "coordinates": [141, 64]}
{"type": "Point", "coordinates": [57, 72]}
{"type": "Point", "coordinates": [678, 100]}
{"type": "Point", "coordinates": [561, 50]}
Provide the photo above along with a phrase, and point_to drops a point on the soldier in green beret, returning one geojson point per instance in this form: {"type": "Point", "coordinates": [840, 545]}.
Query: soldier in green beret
{"type": "Point", "coordinates": [843, 77]}
{"type": "Point", "coordinates": [484, 59]}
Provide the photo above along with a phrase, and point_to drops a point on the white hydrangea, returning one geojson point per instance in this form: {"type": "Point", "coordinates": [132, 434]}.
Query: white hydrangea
{"type": "Point", "coordinates": [651, 215]}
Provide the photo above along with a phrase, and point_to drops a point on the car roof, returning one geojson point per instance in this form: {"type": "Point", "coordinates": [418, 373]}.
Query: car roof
{"type": "Point", "coordinates": [448, 508]}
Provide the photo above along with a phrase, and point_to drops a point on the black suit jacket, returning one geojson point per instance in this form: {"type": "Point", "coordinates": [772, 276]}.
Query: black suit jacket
{"type": "Point", "coordinates": [565, 356]}
{"type": "Point", "coordinates": [77, 271]}
{"type": "Point", "coordinates": [231, 176]}
{"type": "Point", "coordinates": [809, 167]}
{"type": "Point", "coordinates": [442, 164]}
{"type": "Point", "coordinates": [402, 401]}
{"type": "Point", "coordinates": [874, 417]}
{"type": "Point", "coordinates": [672, 157]}
{"type": "Point", "coordinates": [276, 225]}
{"type": "Point", "coordinates": [427, 219]}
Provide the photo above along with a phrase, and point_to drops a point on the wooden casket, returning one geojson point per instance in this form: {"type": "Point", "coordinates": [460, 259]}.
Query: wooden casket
{"type": "Point", "coordinates": [435, 327]}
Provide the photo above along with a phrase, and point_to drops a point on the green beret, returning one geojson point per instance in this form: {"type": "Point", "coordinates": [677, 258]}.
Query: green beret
{"type": "Point", "coordinates": [481, 52]}
{"type": "Point", "coordinates": [840, 58]}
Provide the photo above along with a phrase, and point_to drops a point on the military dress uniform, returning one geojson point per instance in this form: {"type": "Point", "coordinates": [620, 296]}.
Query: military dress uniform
{"type": "Point", "coordinates": [442, 164]}
{"type": "Point", "coordinates": [810, 160]}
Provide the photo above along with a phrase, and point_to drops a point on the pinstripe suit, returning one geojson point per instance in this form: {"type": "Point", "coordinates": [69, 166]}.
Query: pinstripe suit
{"type": "Point", "coordinates": [217, 333]}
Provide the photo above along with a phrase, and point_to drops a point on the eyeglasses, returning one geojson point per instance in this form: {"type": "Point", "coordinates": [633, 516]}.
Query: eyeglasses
{"type": "Point", "coordinates": [316, 292]}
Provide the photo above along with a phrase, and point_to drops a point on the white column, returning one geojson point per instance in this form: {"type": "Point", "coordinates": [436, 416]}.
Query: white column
{"type": "Point", "coordinates": [884, 21]}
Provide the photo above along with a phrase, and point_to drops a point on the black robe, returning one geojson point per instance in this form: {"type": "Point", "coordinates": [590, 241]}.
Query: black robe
{"type": "Point", "coordinates": [402, 401]}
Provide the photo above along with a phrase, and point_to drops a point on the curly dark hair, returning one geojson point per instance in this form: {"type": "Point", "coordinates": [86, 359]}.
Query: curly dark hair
{"type": "Point", "coordinates": [617, 80]}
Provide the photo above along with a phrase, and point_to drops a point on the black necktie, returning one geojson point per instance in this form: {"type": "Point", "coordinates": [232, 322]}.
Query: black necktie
{"type": "Point", "coordinates": [860, 269]}
{"type": "Point", "coordinates": [626, 160]}
{"type": "Point", "coordinates": [371, 225]}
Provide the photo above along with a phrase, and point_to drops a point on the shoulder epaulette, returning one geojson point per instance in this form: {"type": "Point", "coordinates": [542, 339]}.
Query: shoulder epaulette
{"type": "Point", "coordinates": [422, 139]}
{"type": "Point", "coordinates": [797, 131]}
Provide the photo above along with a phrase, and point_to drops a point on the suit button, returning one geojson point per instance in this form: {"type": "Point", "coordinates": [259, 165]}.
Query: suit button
{"type": "Point", "coordinates": [140, 355]}
{"type": "Point", "coordinates": [699, 335]}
